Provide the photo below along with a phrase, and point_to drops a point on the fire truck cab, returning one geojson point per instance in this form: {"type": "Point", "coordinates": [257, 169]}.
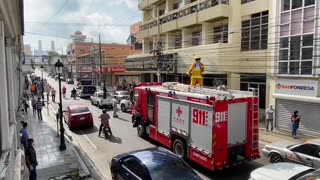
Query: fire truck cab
{"type": "Point", "coordinates": [214, 128]}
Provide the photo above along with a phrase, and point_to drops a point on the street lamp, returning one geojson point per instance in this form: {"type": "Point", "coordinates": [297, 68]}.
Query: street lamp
{"type": "Point", "coordinates": [41, 68]}
{"type": "Point", "coordinates": [58, 66]}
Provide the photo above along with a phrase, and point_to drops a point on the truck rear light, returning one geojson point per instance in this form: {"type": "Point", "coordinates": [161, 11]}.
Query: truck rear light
{"type": "Point", "coordinates": [219, 164]}
{"type": "Point", "coordinates": [255, 154]}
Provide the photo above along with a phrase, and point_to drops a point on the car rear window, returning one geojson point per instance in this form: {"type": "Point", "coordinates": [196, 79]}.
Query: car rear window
{"type": "Point", "coordinates": [173, 170]}
{"type": "Point", "coordinates": [124, 93]}
{"type": "Point", "coordinates": [79, 110]}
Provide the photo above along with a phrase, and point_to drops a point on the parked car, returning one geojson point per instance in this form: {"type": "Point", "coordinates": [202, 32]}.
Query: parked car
{"type": "Point", "coordinates": [119, 95]}
{"type": "Point", "coordinates": [307, 153]}
{"type": "Point", "coordinates": [97, 99]}
{"type": "Point", "coordinates": [63, 78]}
{"type": "Point", "coordinates": [125, 104]}
{"type": "Point", "coordinates": [78, 116]}
{"type": "Point", "coordinates": [86, 91]}
{"type": "Point", "coordinates": [285, 171]}
{"type": "Point", "coordinates": [70, 81]}
{"type": "Point", "coordinates": [152, 163]}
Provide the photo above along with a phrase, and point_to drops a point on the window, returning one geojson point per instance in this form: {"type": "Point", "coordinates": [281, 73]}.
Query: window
{"type": "Point", "coordinates": [177, 4]}
{"type": "Point", "coordinates": [296, 37]}
{"type": "Point", "coordinates": [285, 5]}
{"type": "Point", "coordinates": [79, 110]}
{"type": "Point", "coordinates": [246, 1]}
{"type": "Point", "coordinates": [254, 32]}
{"type": "Point", "coordinates": [196, 38]}
{"type": "Point", "coordinates": [220, 34]}
{"type": "Point", "coordinates": [178, 41]}
{"type": "Point", "coordinates": [308, 149]}
{"type": "Point", "coordinates": [133, 165]}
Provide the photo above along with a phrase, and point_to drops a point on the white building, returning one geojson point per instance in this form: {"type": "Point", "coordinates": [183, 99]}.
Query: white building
{"type": "Point", "coordinates": [11, 80]}
{"type": "Point", "coordinates": [295, 85]}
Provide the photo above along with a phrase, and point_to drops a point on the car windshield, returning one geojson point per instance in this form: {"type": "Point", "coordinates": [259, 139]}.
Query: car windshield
{"type": "Point", "coordinates": [173, 170]}
{"type": "Point", "coordinates": [307, 175]}
{"type": "Point", "coordinates": [79, 110]}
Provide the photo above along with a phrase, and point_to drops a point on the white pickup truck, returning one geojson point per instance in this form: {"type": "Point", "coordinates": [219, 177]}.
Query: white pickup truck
{"type": "Point", "coordinates": [125, 104]}
{"type": "Point", "coordinates": [97, 99]}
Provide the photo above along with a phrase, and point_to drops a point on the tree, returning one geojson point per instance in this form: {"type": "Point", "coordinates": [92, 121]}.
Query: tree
{"type": "Point", "coordinates": [53, 53]}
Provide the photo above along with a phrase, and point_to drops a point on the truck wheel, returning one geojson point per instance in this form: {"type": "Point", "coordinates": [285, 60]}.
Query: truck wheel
{"type": "Point", "coordinates": [141, 129]}
{"type": "Point", "coordinates": [123, 108]}
{"type": "Point", "coordinates": [179, 148]}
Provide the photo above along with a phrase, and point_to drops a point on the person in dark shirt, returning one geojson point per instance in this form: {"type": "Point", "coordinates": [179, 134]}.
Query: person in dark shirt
{"type": "Point", "coordinates": [39, 108]}
{"type": "Point", "coordinates": [32, 162]}
{"type": "Point", "coordinates": [295, 120]}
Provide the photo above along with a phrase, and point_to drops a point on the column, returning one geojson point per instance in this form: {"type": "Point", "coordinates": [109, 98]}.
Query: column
{"type": "Point", "coordinates": [234, 81]}
{"type": "Point", "coordinates": [207, 33]}
{"type": "Point", "coordinates": [186, 37]}
{"type": "Point", "coordinates": [151, 77]}
{"type": "Point", "coordinates": [4, 117]}
{"type": "Point", "coordinates": [234, 22]}
{"type": "Point", "coordinates": [145, 46]}
{"type": "Point", "coordinates": [169, 5]}
{"type": "Point", "coordinates": [11, 70]}
{"type": "Point", "coordinates": [169, 41]}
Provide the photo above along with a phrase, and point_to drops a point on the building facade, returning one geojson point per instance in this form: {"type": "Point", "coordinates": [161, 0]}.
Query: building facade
{"type": "Point", "coordinates": [296, 82]}
{"type": "Point", "coordinates": [233, 38]}
{"type": "Point", "coordinates": [11, 80]}
{"type": "Point", "coordinates": [133, 37]}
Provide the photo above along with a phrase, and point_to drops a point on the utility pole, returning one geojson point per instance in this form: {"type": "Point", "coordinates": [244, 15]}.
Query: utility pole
{"type": "Point", "coordinates": [92, 60]}
{"type": "Point", "coordinates": [100, 60]}
{"type": "Point", "coordinates": [159, 48]}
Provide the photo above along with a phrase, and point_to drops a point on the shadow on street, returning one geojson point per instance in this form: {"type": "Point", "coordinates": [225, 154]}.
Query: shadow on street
{"type": "Point", "coordinates": [85, 130]}
{"type": "Point", "coordinates": [114, 139]}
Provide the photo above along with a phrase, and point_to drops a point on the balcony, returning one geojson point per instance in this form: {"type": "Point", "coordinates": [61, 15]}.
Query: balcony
{"type": "Point", "coordinates": [215, 12]}
{"type": "Point", "coordinates": [151, 2]}
{"type": "Point", "coordinates": [143, 4]}
{"type": "Point", "coordinates": [188, 15]}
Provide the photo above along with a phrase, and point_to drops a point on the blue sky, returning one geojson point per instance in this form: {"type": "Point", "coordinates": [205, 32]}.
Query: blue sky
{"type": "Point", "coordinates": [56, 20]}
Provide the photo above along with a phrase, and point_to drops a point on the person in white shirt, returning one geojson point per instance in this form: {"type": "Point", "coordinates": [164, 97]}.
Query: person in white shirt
{"type": "Point", "coordinates": [269, 118]}
{"type": "Point", "coordinates": [115, 109]}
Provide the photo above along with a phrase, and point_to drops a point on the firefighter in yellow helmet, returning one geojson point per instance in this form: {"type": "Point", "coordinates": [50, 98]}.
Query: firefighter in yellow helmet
{"type": "Point", "coordinates": [196, 69]}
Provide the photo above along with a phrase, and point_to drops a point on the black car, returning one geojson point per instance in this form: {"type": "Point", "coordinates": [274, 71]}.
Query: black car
{"type": "Point", "coordinates": [70, 81]}
{"type": "Point", "coordinates": [151, 164]}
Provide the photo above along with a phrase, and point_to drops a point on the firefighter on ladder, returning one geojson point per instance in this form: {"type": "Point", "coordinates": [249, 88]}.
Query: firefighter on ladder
{"type": "Point", "coordinates": [196, 71]}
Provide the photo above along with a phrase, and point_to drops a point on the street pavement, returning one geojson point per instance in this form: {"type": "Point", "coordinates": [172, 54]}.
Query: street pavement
{"type": "Point", "coordinates": [100, 151]}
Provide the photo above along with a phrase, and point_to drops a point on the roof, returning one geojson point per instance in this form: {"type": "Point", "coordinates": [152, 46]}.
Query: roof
{"type": "Point", "coordinates": [279, 171]}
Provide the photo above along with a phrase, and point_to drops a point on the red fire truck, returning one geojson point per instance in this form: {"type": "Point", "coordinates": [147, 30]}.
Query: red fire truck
{"type": "Point", "coordinates": [214, 128]}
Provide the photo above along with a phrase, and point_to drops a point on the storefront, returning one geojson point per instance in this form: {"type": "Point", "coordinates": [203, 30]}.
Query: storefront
{"type": "Point", "coordinates": [115, 75]}
{"type": "Point", "coordinates": [300, 95]}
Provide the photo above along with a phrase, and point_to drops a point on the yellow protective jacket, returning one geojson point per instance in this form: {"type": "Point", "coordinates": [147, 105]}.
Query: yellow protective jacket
{"type": "Point", "coordinates": [196, 69]}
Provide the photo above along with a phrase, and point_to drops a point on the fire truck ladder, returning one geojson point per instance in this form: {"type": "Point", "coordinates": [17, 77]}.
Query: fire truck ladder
{"type": "Point", "coordinates": [255, 118]}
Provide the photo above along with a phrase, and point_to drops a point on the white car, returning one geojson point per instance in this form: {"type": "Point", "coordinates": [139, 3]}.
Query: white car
{"type": "Point", "coordinates": [125, 104]}
{"type": "Point", "coordinates": [284, 171]}
{"type": "Point", "coordinates": [97, 99]}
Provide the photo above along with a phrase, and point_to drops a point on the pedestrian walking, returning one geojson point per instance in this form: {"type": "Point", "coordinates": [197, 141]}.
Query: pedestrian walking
{"type": "Point", "coordinates": [53, 94]}
{"type": "Point", "coordinates": [26, 106]}
{"type": "Point", "coordinates": [32, 162]}
{"type": "Point", "coordinates": [295, 119]}
{"type": "Point", "coordinates": [115, 109]}
{"type": "Point", "coordinates": [64, 91]}
{"type": "Point", "coordinates": [24, 135]}
{"type": "Point", "coordinates": [39, 108]}
{"type": "Point", "coordinates": [34, 106]}
{"type": "Point", "coordinates": [269, 118]}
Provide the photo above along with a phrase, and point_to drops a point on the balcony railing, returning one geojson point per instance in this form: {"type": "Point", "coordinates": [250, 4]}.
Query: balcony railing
{"type": "Point", "coordinates": [184, 12]}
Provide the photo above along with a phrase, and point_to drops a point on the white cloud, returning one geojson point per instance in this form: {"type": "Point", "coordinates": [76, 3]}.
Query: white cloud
{"type": "Point", "coordinates": [86, 12]}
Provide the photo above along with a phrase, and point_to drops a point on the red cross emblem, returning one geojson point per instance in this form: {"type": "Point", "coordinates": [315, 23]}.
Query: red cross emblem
{"type": "Point", "coordinates": [179, 111]}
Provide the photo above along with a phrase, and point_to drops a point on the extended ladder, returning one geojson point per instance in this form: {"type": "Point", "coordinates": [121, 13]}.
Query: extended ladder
{"type": "Point", "coordinates": [255, 118]}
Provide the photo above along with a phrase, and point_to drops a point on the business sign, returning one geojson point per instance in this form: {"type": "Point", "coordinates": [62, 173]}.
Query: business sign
{"type": "Point", "coordinates": [113, 69]}
{"type": "Point", "coordinates": [297, 87]}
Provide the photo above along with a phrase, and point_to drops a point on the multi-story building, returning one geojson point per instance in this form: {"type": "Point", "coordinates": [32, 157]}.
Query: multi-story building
{"type": "Point", "coordinates": [133, 37]}
{"type": "Point", "coordinates": [11, 80]}
{"type": "Point", "coordinates": [295, 85]}
{"type": "Point", "coordinates": [233, 38]}
{"type": "Point", "coordinates": [112, 67]}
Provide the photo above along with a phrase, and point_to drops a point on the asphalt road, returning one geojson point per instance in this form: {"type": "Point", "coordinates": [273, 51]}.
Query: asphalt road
{"type": "Point", "coordinates": [125, 139]}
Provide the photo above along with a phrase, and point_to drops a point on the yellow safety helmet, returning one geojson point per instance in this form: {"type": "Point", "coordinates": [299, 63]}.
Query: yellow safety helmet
{"type": "Point", "coordinates": [197, 58]}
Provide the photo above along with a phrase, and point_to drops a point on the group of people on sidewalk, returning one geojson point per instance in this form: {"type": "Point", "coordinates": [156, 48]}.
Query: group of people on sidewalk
{"type": "Point", "coordinates": [293, 124]}
{"type": "Point", "coordinates": [29, 151]}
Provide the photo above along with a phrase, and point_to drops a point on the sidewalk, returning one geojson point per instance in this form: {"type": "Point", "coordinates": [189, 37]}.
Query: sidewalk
{"type": "Point", "coordinates": [53, 163]}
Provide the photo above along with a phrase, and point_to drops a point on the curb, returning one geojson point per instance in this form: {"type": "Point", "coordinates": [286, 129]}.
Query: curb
{"type": "Point", "coordinates": [87, 173]}
{"type": "Point", "coordinates": [303, 138]}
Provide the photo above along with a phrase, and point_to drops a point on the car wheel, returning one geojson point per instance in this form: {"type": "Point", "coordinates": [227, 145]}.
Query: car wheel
{"type": "Point", "coordinates": [275, 158]}
{"type": "Point", "coordinates": [114, 177]}
{"type": "Point", "coordinates": [179, 148]}
{"type": "Point", "coordinates": [99, 106]}
{"type": "Point", "coordinates": [123, 108]}
{"type": "Point", "coordinates": [92, 103]}
{"type": "Point", "coordinates": [141, 129]}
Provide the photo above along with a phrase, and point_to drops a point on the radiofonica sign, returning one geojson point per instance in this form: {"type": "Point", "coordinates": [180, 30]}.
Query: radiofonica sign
{"type": "Point", "coordinates": [297, 87]}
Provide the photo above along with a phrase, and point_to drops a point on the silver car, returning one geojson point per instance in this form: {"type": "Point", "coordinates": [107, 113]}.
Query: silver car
{"type": "Point", "coordinates": [307, 153]}
{"type": "Point", "coordinates": [285, 171]}
{"type": "Point", "coordinates": [119, 95]}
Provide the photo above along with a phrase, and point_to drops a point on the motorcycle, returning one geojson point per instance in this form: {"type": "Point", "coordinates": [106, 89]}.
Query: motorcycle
{"type": "Point", "coordinates": [107, 130]}
{"type": "Point", "coordinates": [74, 95]}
